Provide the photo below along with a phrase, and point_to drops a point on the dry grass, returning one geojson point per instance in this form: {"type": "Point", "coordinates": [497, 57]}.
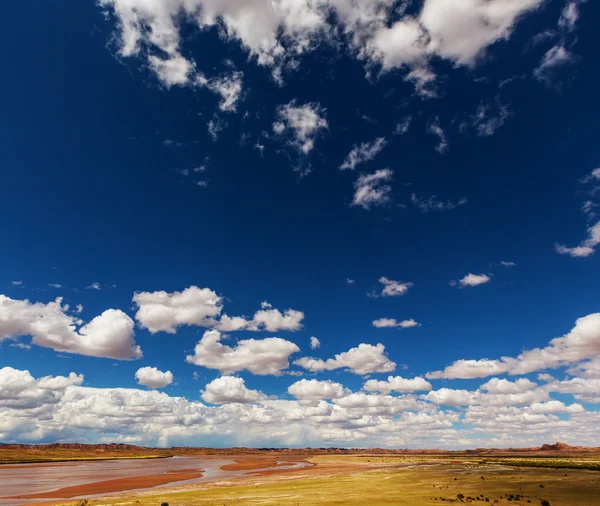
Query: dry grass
{"type": "Point", "coordinates": [34, 455]}
{"type": "Point", "coordinates": [415, 486]}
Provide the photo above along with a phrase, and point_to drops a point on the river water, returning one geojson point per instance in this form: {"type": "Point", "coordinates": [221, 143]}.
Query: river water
{"type": "Point", "coordinates": [20, 479]}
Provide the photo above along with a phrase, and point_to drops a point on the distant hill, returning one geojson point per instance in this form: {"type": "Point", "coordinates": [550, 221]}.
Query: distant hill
{"type": "Point", "coordinates": [72, 450]}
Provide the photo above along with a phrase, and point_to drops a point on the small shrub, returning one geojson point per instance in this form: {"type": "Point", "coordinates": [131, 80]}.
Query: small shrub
{"type": "Point", "coordinates": [83, 502]}
{"type": "Point", "coordinates": [164, 504]}
{"type": "Point", "coordinates": [460, 496]}
{"type": "Point", "coordinates": [545, 503]}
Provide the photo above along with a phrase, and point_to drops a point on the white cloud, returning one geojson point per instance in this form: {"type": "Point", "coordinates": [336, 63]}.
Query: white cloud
{"type": "Point", "coordinates": [508, 264]}
{"type": "Point", "coordinates": [109, 335]}
{"type": "Point", "coordinates": [312, 391]}
{"type": "Point", "coordinates": [451, 397]}
{"type": "Point", "coordinates": [276, 34]}
{"type": "Point", "coordinates": [314, 343]}
{"type": "Point", "coordinates": [556, 57]}
{"type": "Point", "coordinates": [583, 389]}
{"type": "Point", "coordinates": [20, 390]}
{"type": "Point", "coordinates": [17, 283]}
{"type": "Point", "coordinates": [58, 408]}
{"type": "Point", "coordinates": [435, 128]}
{"type": "Point", "coordinates": [94, 286]}
{"type": "Point", "coordinates": [227, 389]}
{"type": "Point", "coordinates": [469, 369]}
{"type": "Point", "coordinates": [172, 71]}
{"type": "Point", "coordinates": [302, 123]}
{"type": "Point", "coordinates": [265, 305]}
{"type": "Point", "coordinates": [271, 320]}
{"type": "Point", "coordinates": [403, 126]}
{"type": "Point", "coordinates": [393, 288]}
{"type": "Point", "coordinates": [151, 377]}
{"type": "Point", "coordinates": [350, 281]}
{"type": "Point", "coordinates": [488, 118]}
{"type": "Point", "coordinates": [433, 204]}
{"type": "Point", "coordinates": [215, 126]}
{"type": "Point", "coordinates": [164, 312]}
{"type": "Point", "coordinates": [398, 384]}
{"type": "Point", "coordinates": [474, 280]}
{"type": "Point", "coordinates": [504, 386]}
{"type": "Point", "coordinates": [372, 189]}
{"type": "Point", "coordinates": [362, 153]}
{"type": "Point", "coordinates": [392, 322]}
{"type": "Point", "coordinates": [364, 359]}
{"type": "Point", "coordinates": [586, 248]}
{"type": "Point", "coordinates": [260, 357]}
{"type": "Point", "coordinates": [228, 87]}
{"type": "Point", "coordinates": [569, 16]}
{"type": "Point", "coordinates": [581, 343]}
{"type": "Point", "coordinates": [55, 285]}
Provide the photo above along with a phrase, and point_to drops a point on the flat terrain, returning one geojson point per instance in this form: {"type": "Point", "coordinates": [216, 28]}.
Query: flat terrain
{"type": "Point", "coordinates": [33, 454]}
{"type": "Point", "coordinates": [382, 480]}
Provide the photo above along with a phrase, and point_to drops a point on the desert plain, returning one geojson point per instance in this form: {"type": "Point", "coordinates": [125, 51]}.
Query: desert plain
{"type": "Point", "coordinates": [548, 475]}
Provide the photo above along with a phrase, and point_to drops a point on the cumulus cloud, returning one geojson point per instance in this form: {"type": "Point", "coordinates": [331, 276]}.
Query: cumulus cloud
{"type": "Point", "coordinates": [392, 322]}
{"type": "Point", "coordinates": [393, 288]}
{"type": "Point", "coordinates": [581, 343]}
{"type": "Point", "coordinates": [362, 153]}
{"type": "Point", "coordinates": [451, 397]}
{"type": "Point", "coordinates": [59, 408]}
{"type": "Point", "coordinates": [373, 189]}
{"type": "Point", "coordinates": [504, 386]}
{"type": "Point", "coordinates": [473, 280]}
{"type": "Point", "coordinates": [260, 357]}
{"type": "Point", "coordinates": [20, 390]}
{"type": "Point", "coordinates": [228, 389]}
{"type": "Point", "coordinates": [312, 391]}
{"type": "Point", "coordinates": [364, 359]}
{"type": "Point", "coordinates": [398, 384]}
{"type": "Point", "coordinates": [586, 248]}
{"type": "Point", "coordinates": [508, 264]}
{"type": "Point", "coordinates": [276, 34]}
{"type": "Point", "coordinates": [314, 343]}
{"type": "Point", "coordinates": [108, 335]}
{"type": "Point", "coordinates": [271, 320]}
{"type": "Point", "coordinates": [434, 204]}
{"type": "Point", "coordinates": [301, 124]}
{"type": "Point", "coordinates": [151, 377]}
{"type": "Point", "coordinates": [164, 312]}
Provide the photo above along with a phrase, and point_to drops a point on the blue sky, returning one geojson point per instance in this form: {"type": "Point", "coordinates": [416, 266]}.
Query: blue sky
{"type": "Point", "coordinates": [414, 184]}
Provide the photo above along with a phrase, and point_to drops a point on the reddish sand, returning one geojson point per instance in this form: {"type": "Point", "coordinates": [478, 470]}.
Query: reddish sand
{"type": "Point", "coordinates": [249, 464]}
{"type": "Point", "coordinates": [119, 485]}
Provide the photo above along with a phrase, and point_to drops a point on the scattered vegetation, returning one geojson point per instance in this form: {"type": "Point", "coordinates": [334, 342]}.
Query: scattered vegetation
{"type": "Point", "coordinates": [458, 482]}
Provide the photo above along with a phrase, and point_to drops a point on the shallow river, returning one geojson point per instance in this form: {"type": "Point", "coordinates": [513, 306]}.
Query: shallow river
{"type": "Point", "coordinates": [20, 479]}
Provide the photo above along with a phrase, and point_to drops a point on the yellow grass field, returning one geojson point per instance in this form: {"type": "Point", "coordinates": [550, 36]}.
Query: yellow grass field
{"type": "Point", "coordinates": [369, 480]}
